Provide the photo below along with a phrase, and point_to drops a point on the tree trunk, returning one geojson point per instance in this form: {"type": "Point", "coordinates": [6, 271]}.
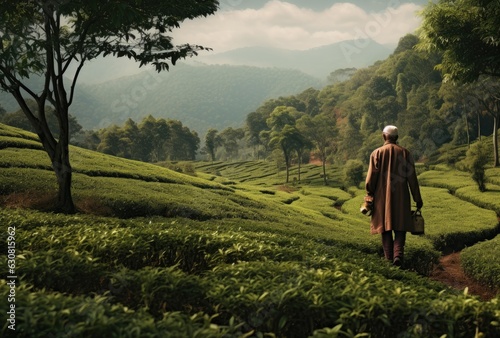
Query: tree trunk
{"type": "Point", "coordinates": [324, 171]}
{"type": "Point", "coordinates": [299, 162]}
{"type": "Point", "coordinates": [467, 127]}
{"type": "Point", "coordinates": [495, 141]}
{"type": "Point", "coordinates": [59, 157]}
{"type": "Point", "coordinates": [287, 168]}
{"type": "Point", "coordinates": [478, 127]}
{"type": "Point", "coordinates": [63, 172]}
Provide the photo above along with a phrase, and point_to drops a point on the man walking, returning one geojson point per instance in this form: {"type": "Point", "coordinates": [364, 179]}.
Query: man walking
{"type": "Point", "coordinates": [391, 172]}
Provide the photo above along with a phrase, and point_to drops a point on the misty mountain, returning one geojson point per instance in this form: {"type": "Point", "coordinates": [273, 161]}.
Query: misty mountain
{"type": "Point", "coordinates": [318, 62]}
{"type": "Point", "coordinates": [207, 91]}
{"type": "Point", "coordinates": [201, 97]}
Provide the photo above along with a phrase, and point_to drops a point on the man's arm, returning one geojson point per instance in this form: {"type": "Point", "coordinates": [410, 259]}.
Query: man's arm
{"type": "Point", "coordinates": [413, 182]}
{"type": "Point", "coordinates": [372, 174]}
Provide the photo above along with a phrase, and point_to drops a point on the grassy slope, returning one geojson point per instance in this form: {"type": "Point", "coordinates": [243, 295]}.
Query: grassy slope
{"type": "Point", "coordinates": [231, 213]}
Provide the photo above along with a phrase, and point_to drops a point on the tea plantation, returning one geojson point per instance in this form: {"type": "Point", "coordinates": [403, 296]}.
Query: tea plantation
{"type": "Point", "coordinates": [226, 250]}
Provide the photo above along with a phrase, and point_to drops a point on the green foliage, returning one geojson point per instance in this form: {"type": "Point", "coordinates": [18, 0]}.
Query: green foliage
{"type": "Point", "coordinates": [236, 255]}
{"type": "Point", "coordinates": [354, 172]}
{"type": "Point", "coordinates": [49, 314]}
{"type": "Point", "coordinates": [152, 140]}
{"type": "Point", "coordinates": [18, 119]}
{"type": "Point", "coordinates": [475, 162]}
{"type": "Point", "coordinates": [466, 32]}
{"type": "Point", "coordinates": [482, 261]}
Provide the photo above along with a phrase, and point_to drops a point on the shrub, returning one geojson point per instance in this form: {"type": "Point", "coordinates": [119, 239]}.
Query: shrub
{"type": "Point", "coordinates": [476, 159]}
{"type": "Point", "coordinates": [40, 314]}
{"type": "Point", "coordinates": [482, 262]}
{"type": "Point", "coordinates": [354, 172]}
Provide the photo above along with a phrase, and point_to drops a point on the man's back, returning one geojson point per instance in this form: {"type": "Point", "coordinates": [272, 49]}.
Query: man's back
{"type": "Point", "coordinates": [391, 172]}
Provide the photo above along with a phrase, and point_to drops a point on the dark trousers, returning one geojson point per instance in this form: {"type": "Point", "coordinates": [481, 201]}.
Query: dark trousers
{"type": "Point", "coordinates": [393, 246]}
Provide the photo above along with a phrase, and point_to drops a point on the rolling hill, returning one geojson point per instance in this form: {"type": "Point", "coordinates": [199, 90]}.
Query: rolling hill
{"type": "Point", "coordinates": [228, 251]}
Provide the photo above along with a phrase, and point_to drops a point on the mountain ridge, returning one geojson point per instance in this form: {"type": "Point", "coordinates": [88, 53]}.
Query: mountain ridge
{"type": "Point", "coordinates": [318, 61]}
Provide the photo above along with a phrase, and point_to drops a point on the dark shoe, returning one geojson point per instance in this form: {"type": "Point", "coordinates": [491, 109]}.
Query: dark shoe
{"type": "Point", "coordinates": [397, 261]}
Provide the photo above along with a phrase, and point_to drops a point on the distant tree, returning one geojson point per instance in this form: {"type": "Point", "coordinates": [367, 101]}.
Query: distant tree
{"type": "Point", "coordinates": [111, 143]}
{"type": "Point", "coordinates": [349, 138]}
{"type": "Point", "coordinates": [354, 172]}
{"type": "Point", "coordinates": [402, 89]}
{"type": "Point", "coordinates": [267, 108]}
{"type": "Point", "coordinates": [454, 103]}
{"type": "Point", "coordinates": [212, 141]}
{"type": "Point", "coordinates": [146, 140]}
{"type": "Point", "coordinates": [475, 162]}
{"type": "Point", "coordinates": [18, 119]}
{"type": "Point", "coordinates": [182, 143]}
{"type": "Point", "coordinates": [340, 75]}
{"type": "Point", "coordinates": [255, 124]}
{"type": "Point", "coordinates": [160, 137]}
{"type": "Point", "coordinates": [487, 93]}
{"type": "Point", "coordinates": [310, 99]}
{"type": "Point", "coordinates": [132, 134]}
{"type": "Point", "coordinates": [406, 43]}
{"type": "Point", "coordinates": [282, 133]}
{"type": "Point", "coordinates": [302, 146]}
{"type": "Point", "coordinates": [281, 117]}
{"type": "Point", "coordinates": [88, 139]}
{"type": "Point", "coordinates": [229, 138]}
{"type": "Point", "coordinates": [46, 38]}
{"type": "Point", "coordinates": [379, 104]}
{"type": "Point", "coordinates": [321, 131]}
{"type": "Point", "coordinates": [288, 139]}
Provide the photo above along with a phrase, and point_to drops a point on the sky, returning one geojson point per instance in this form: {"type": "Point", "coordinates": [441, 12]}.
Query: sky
{"type": "Point", "coordinates": [287, 24]}
{"type": "Point", "coordinates": [300, 24]}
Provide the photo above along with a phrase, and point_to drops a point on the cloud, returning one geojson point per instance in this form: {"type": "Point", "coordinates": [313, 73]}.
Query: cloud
{"type": "Point", "coordinates": [285, 25]}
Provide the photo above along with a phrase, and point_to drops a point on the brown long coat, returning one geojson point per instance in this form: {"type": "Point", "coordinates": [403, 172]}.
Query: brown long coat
{"type": "Point", "coordinates": [391, 172]}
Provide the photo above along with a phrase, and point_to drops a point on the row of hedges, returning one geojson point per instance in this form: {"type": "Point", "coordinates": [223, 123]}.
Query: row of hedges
{"type": "Point", "coordinates": [217, 282]}
{"type": "Point", "coordinates": [42, 314]}
{"type": "Point", "coordinates": [483, 262]}
{"type": "Point", "coordinates": [289, 299]}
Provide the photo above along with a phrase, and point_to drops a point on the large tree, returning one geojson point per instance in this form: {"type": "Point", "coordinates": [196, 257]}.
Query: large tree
{"type": "Point", "coordinates": [212, 141]}
{"type": "Point", "coordinates": [53, 39]}
{"type": "Point", "coordinates": [467, 33]}
{"type": "Point", "coordinates": [321, 130]}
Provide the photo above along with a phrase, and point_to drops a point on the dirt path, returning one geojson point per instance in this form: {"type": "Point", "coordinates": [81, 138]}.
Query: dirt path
{"type": "Point", "coordinates": [450, 272]}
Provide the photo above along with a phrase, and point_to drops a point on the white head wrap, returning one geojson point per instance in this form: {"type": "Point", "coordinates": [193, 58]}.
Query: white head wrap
{"type": "Point", "coordinates": [390, 130]}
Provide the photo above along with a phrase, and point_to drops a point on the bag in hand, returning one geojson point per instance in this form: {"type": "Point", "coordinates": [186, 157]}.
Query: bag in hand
{"type": "Point", "coordinates": [417, 223]}
{"type": "Point", "coordinates": [367, 207]}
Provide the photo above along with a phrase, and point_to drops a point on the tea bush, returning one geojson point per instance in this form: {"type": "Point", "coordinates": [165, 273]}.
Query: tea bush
{"type": "Point", "coordinates": [210, 256]}
{"type": "Point", "coordinates": [40, 314]}
{"type": "Point", "coordinates": [483, 262]}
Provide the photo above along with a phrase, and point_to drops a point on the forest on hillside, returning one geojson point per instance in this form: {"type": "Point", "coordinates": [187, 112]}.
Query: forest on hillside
{"type": "Point", "coordinates": [343, 121]}
{"type": "Point", "coordinates": [337, 123]}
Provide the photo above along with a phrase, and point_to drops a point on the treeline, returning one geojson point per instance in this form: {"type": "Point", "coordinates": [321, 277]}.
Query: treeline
{"type": "Point", "coordinates": [150, 140]}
